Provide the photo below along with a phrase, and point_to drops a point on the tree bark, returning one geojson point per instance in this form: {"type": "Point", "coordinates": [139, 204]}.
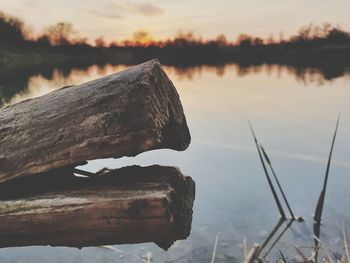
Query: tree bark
{"type": "Point", "coordinates": [123, 114]}
{"type": "Point", "coordinates": [129, 205]}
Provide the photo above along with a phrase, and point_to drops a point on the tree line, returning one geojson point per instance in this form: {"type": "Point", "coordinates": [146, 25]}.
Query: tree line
{"type": "Point", "coordinates": [15, 33]}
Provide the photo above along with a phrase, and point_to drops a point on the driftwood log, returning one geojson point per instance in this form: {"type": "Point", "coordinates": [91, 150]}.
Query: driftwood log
{"type": "Point", "coordinates": [129, 205]}
{"type": "Point", "coordinates": [123, 114]}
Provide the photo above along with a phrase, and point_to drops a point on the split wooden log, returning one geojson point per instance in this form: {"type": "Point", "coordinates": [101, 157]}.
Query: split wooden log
{"type": "Point", "coordinates": [123, 114]}
{"type": "Point", "coordinates": [129, 205]}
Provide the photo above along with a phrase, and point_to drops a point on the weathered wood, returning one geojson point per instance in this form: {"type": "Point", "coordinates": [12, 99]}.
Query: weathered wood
{"type": "Point", "coordinates": [123, 114]}
{"type": "Point", "coordinates": [129, 205]}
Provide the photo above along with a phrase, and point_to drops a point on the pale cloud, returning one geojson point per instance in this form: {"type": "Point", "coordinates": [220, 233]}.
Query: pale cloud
{"type": "Point", "coordinates": [125, 8]}
{"type": "Point", "coordinates": [105, 14]}
{"type": "Point", "coordinates": [147, 9]}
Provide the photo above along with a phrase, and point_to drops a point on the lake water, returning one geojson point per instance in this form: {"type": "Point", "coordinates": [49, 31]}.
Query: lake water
{"type": "Point", "coordinates": [294, 116]}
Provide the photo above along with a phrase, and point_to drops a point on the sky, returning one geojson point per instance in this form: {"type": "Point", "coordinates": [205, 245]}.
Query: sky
{"type": "Point", "coordinates": [118, 19]}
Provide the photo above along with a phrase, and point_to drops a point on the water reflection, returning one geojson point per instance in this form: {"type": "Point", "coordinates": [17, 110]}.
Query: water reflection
{"type": "Point", "coordinates": [20, 84]}
{"type": "Point", "coordinates": [295, 123]}
{"type": "Point", "coordinates": [18, 88]}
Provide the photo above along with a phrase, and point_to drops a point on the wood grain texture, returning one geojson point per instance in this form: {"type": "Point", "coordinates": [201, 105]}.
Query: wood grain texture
{"type": "Point", "coordinates": [124, 114]}
{"type": "Point", "coordinates": [129, 205]}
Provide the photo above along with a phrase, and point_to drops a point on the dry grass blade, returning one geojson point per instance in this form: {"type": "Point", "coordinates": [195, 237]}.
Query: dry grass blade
{"type": "Point", "coordinates": [277, 181]}
{"type": "Point", "coordinates": [319, 208]}
{"type": "Point", "coordinates": [301, 254]}
{"type": "Point", "coordinates": [268, 176]}
{"type": "Point", "coordinates": [278, 238]}
{"type": "Point", "coordinates": [346, 247]}
{"type": "Point", "coordinates": [314, 253]}
{"type": "Point", "coordinates": [283, 258]}
{"type": "Point", "coordinates": [328, 255]}
{"type": "Point", "coordinates": [326, 251]}
{"type": "Point", "coordinates": [320, 203]}
{"type": "Point", "coordinates": [271, 235]}
{"type": "Point", "coordinates": [252, 254]}
{"type": "Point", "coordinates": [214, 250]}
{"type": "Point", "coordinates": [149, 257]}
{"type": "Point", "coordinates": [245, 248]}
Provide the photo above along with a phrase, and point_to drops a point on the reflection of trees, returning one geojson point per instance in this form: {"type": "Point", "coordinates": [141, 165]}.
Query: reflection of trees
{"type": "Point", "coordinates": [304, 74]}
{"type": "Point", "coordinates": [16, 80]}
{"type": "Point", "coordinates": [319, 76]}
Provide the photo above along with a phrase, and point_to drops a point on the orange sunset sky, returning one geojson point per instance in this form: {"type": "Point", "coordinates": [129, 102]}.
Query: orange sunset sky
{"type": "Point", "coordinates": [118, 19]}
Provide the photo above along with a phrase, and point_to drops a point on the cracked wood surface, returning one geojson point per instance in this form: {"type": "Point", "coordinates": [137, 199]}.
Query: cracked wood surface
{"type": "Point", "coordinates": [128, 205]}
{"type": "Point", "coordinates": [123, 114]}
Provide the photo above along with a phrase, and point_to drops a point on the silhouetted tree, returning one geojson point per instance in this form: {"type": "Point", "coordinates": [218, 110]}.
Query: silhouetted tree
{"type": "Point", "coordinates": [185, 40]}
{"type": "Point", "coordinates": [221, 40]}
{"type": "Point", "coordinates": [338, 36]}
{"type": "Point", "coordinates": [11, 29]}
{"type": "Point", "coordinates": [60, 33]}
{"type": "Point", "coordinates": [43, 41]}
{"type": "Point", "coordinates": [304, 33]}
{"type": "Point", "coordinates": [244, 41]}
{"type": "Point", "coordinates": [79, 41]}
{"type": "Point", "coordinates": [100, 42]}
{"type": "Point", "coordinates": [317, 35]}
{"type": "Point", "coordinates": [142, 38]}
{"type": "Point", "coordinates": [257, 41]}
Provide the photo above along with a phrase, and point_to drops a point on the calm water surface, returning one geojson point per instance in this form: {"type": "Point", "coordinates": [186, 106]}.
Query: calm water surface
{"type": "Point", "coordinates": [294, 117]}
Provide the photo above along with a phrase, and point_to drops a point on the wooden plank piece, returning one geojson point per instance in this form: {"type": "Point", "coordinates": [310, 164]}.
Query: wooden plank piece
{"type": "Point", "coordinates": [129, 205]}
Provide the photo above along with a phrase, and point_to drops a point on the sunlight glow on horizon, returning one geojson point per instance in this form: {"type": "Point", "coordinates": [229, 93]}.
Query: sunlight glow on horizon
{"type": "Point", "coordinates": [117, 20]}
